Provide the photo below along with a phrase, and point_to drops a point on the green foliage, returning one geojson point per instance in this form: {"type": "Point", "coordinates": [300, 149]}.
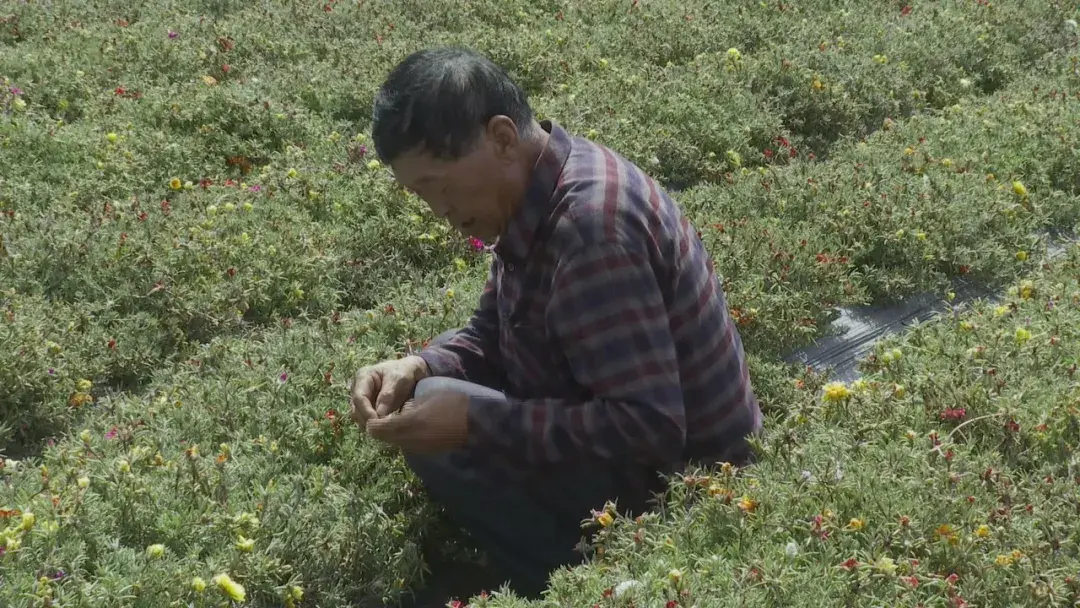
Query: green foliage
{"type": "Point", "coordinates": [189, 210]}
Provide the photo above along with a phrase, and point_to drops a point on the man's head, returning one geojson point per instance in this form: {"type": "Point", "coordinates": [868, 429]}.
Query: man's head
{"type": "Point", "coordinates": [457, 131]}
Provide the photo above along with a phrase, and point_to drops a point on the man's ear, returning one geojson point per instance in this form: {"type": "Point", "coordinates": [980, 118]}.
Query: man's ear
{"type": "Point", "coordinates": [503, 134]}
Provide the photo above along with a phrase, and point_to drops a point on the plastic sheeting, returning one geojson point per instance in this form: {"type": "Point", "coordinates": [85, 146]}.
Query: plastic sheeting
{"type": "Point", "coordinates": [852, 336]}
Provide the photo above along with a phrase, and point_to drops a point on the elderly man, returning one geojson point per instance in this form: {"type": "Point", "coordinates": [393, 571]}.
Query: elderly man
{"type": "Point", "coordinates": [600, 358]}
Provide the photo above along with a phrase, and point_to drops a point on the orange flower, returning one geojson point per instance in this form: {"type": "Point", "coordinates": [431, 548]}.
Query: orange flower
{"type": "Point", "coordinates": [748, 504]}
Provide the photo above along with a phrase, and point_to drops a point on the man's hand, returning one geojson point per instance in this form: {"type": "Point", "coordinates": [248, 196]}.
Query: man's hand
{"type": "Point", "coordinates": [437, 422]}
{"type": "Point", "coordinates": [382, 389]}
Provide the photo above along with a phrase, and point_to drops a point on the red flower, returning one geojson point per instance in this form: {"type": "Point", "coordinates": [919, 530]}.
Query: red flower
{"type": "Point", "coordinates": [112, 344]}
{"type": "Point", "coordinates": [225, 68]}
{"type": "Point", "coordinates": [671, 604]}
{"type": "Point", "coordinates": [954, 414]}
{"type": "Point", "coordinates": [768, 153]}
{"type": "Point", "coordinates": [904, 12]}
{"type": "Point", "coordinates": [912, 581]}
{"type": "Point", "coordinates": [849, 564]}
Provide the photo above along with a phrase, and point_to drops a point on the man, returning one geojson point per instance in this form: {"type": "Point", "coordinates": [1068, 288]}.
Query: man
{"type": "Point", "coordinates": [601, 356]}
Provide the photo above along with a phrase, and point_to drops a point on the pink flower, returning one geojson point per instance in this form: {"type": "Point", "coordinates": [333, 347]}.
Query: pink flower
{"type": "Point", "coordinates": [283, 377]}
{"type": "Point", "coordinates": [173, 35]}
{"type": "Point", "coordinates": [476, 243]}
{"type": "Point", "coordinates": [256, 188]}
{"type": "Point", "coordinates": [111, 434]}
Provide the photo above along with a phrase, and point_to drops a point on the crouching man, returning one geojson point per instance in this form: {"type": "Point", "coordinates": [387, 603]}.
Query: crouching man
{"type": "Point", "coordinates": [601, 356]}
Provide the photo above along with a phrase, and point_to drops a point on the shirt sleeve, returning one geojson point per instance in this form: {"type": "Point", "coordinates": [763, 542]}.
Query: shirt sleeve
{"type": "Point", "coordinates": [472, 354]}
{"type": "Point", "coordinates": [608, 314]}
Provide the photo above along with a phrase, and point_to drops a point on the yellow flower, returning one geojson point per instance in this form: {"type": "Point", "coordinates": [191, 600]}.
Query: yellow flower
{"type": "Point", "coordinates": [83, 482]}
{"type": "Point", "coordinates": [459, 263]}
{"type": "Point", "coordinates": [899, 391]}
{"type": "Point", "coordinates": [1001, 311]}
{"type": "Point", "coordinates": [155, 551]}
{"type": "Point", "coordinates": [450, 294]}
{"type": "Point", "coordinates": [112, 137]}
{"type": "Point", "coordinates": [292, 173]}
{"type": "Point", "coordinates": [85, 436]}
{"type": "Point", "coordinates": [374, 164]}
{"type": "Point", "coordinates": [247, 206]}
{"type": "Point", "coordinates": [944, 530]}
{"type": "Point", "coordinates": [296, 593]}
{"type": "Point", "coordinates": [882, 59]}
{"type": "Point", "coordinates": [228, 207]}
{"type": "Point", "coordinates": [198, 585]}
{"type": "Point", "coordinates": [229, 587]}
{"type": "Point", "coordinates": [856, 523]}
{"type": "Point", "coordinates": [605, 519]}
{"type": "Point", "coordinates": [1003, 560]}
{"type": "Point", "coordinates": [982, 531]}
{"type": "Point", "coordinates": [675, 576]}
{"type": "Point", "coordinates": [920, 236]}
{"type": "Point", "coordinates": [946, 162]}
{"type": "Point", "coordinates": [245, 544]}
{"type": "Point", "coordinates": [83, 385]}
{"type": "Point", "coordinates": [1021, 255]}
{"type": "Point", "coordinates": [176, 184]}
{"type": "Point", "coordinates": [836, 391]}
{"type": "Point", "coordinates": [1022, 335]}
{"type": "Point", "coordinates": [28, 520]}
{"type": "Point", "coordinates": [733, 54]}
{"type": "Point", "coordinates": [886, 565]}
{"type": "Point", "coordinates": [1019, 189]}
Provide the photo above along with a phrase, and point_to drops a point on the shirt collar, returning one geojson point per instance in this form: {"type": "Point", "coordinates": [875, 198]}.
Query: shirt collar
{"type": "Point", "coordinates": [530, 215]}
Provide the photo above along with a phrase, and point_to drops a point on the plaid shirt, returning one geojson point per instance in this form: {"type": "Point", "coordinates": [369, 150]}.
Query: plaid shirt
{"type": "Point", "coordinates": [604, 324]}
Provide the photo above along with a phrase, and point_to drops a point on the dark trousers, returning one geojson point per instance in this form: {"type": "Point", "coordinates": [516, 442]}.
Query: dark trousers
{"type": "Point", "coordinates": [528, 525]}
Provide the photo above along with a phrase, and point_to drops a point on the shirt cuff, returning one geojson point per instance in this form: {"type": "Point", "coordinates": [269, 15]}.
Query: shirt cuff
{"type": "Point", "coordinates": [439, 362]}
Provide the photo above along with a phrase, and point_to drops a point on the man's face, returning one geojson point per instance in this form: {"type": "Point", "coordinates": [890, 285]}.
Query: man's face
{"type": "Point", "coordinates": [471, 192]}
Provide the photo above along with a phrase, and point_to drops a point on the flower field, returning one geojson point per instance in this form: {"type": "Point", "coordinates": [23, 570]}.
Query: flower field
{"type": "Point", "coordinates": [197, 249]}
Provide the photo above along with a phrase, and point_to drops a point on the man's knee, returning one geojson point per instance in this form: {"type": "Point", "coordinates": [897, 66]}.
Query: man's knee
{"type": "Point", "coordinates": [436, 384]}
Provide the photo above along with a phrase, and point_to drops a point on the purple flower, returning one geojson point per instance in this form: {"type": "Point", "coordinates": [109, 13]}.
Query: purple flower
{"type": "Point", "coordinates": [1050, 305]}
{"type": "Point", "coordinates": [256, 188]}
{"type": "Point", "coordinates": [15, 90]}
{"type": "Point", "coordinates": [111, 434]}
{"type": "Point", "coordinates": [52, 371]}
{"type": "Point", "coordinates": [173, 35]}
{"type": "Point", "coordinates": [283, 377]}
{"type": "Point", "coordinates": [58, 575]}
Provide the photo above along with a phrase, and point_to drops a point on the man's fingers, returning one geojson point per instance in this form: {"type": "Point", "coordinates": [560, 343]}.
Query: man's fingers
{"type": "Point", "coordinates": [363, 393]}
{"type": "Point", "coordinates": [391, 429]}
{"type": "Point", "coordinates": [393, 394]}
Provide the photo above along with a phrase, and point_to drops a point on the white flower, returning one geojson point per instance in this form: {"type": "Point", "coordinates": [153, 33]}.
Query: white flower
{"type": "Point", "coordinates": [1070, 24]}
{"type": "Point", "coordinates": [625, 586]}
{"type": "Point", "coordinates": [791, 550]}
